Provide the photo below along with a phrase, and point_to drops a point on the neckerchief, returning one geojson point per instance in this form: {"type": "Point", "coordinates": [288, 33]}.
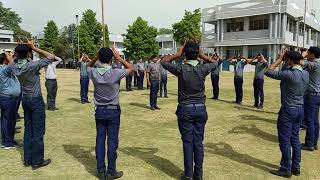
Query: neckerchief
{"type": "Point", "coordinates": [102, 69]}
{"type": "Point", "coordinates": [193, 63]}
{"type": "Point", "coordinates": [22, 62]}
{"type": "Point", "coordinates": [297, 67]}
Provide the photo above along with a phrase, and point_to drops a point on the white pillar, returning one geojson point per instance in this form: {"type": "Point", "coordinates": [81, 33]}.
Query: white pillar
{"type": "Point", "coordinates": [269, 53]}
{"type": "Point", "coordinates": [271, 26]}
{"type": "Point", "coordinates": [309, 37]}
{"type": "Point", "coordinates": [245, 51]}
{"type": "Point", "coordinates": [284, 25]}
{"type": "Point", "coordinates": [276, 26]}
{"type": "Point", "coordinates": [222, 29]}
{"type": "Point", "coordinates": [218, 30]}
{"type": "Point", "coordinates": [297, 33]}
{"type": "Point", "coordinates": [246, 24]}
{"type": "Point", "coordinates": [274, 52]}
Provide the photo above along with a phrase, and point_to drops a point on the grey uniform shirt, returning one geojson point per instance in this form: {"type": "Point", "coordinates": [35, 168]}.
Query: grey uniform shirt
{"type": "Point", "coordinates": [294, 83]}
{"type": "Point", "coordinates": [154, 71]}
{"type": "Point", "coordinates": [191, 87]}
{"type": "Point", "coordinates": [238, 67]}
{"type": "Point", "coordinates": [216, 71]}
{"type": "Point", "coordinates": [260, 69]}
{"type": "Point", "coordinates": [29, 75]}
{"type": "Point", "coordinates": [313, 67]}
{"type": "Point", "coordinates": [140, 66]}
{"type": "Point", "coordinates": [164, 72]}
{"type": "Point", "coordinates": [107, 86]}
{"type": "Point", "coordinates": [9, 84]}
{"type": "Point", "coordinates": [83, 68]}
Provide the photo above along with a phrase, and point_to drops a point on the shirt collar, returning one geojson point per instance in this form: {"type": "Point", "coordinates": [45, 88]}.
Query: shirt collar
{"type": "Point", "coordinates": [193, 63]}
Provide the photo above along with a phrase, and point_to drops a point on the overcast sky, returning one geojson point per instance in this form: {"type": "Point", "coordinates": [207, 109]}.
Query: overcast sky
{"type": "Point", "coordinates": [118, 13]}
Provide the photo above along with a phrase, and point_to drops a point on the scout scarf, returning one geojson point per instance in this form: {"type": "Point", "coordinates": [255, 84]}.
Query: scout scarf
{"type": "Point", "coordinates": [297, 67]}
{"type": "Point", "coordinates": [22, 62]}
{"type": "Point", "coordinates": [102, 69]}
{"type": "Point", "coordinates": [193, 63]}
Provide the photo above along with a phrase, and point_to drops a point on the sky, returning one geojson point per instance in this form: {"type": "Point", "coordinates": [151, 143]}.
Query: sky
{"type": "Point", "coordinates": [118, 13]}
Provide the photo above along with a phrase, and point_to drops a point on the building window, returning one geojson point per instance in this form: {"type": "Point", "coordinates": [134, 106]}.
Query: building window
{"type": "Point", "coordinates": [301, 29]}
{"type": "Point", "coordinates": [290, 25]}
{"type": "Point", "coordinates": [313, 35]}
{"type": "Point", "coordinates": [259, 23]}
{"type": "Point", "coordinates": [235, 25]}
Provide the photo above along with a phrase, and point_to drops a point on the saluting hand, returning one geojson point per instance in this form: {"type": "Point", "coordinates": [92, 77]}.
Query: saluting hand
{"type": "Point", "coordinates": [116, 54]}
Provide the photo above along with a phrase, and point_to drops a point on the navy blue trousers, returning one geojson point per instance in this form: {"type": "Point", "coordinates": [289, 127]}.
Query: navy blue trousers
{"type": "Point", "coordinates": [192, 121]}
{"type": "Point", "coordinates": [311, 110]}
{"type": "Point", "coordinates": [129, 82]}
{"type": "Point", "coordinates": [238, 82]}
{"type": "Point", "coordinates": [163, 86]}
{"type": "Point", "coordinates": [107, 124]}
{"type": "Point", "coordinates": [84, 83]}
{"type": "Point", "coordinates": [8, 120]}
{"type": "Point", "coordinates": [34, 124]}
{"type": "Point", "coordinates": [140, 80]}
{"type": "Point", "coordinates": [154, 89]}
{"type": "Point", "coordinates": [258, 92]}
{"type": "Point", "coordinates": [18, 102]}
{"type": "Point", "coordinates": [215, 85]}
{"type": "Point", "coordinates": [288, 134]}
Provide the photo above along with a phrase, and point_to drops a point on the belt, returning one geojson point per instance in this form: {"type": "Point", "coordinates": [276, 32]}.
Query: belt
{"type": "Point", "coordinates": [51, 79]}
{"type": "Point", "coordinates": [313, 93]}
{"type": "Point", "coordinates": [191, 105]}
{"type": "Point", "coordinates": [110, 107]}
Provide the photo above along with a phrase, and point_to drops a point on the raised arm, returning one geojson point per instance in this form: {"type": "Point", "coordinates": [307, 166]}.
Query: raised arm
{"type": "Point", "coordinates": [126, 64]}
{"type": "Point", "coordinates": [40, 51]}
{"type": "Point", "coordinates": [176, 56]}
{"type": "Point", "coordinates": [93, 61]}
{"type": "Point", "coordinates": [206, 58]}
{"type": "Point", "coordinates": [278, 61]}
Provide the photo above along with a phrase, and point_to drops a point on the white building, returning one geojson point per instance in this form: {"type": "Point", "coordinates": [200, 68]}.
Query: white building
{"type": "Point", "coordinates": [6, 40]}
{"type": "Point", "coordinates": [167, 44]}
{"type": "Point", "coordinates": [117, 41]}
{"type": "Point", "coordinates": [256, 26]}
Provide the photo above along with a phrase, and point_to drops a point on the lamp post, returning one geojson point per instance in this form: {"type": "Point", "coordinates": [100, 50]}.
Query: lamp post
{"type": "Point", "coordinates": [103, 25]}
{"type": "Point", "coordinates": [77, 19]}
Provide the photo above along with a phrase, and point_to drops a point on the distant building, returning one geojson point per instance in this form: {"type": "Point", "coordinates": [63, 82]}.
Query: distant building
{"type": "Point", "coordinates": [255, 26]}
{"type": "Point", "coordinates": [167, 44]}
{"type": "Point", "coordinates": [6, 40]}
{"type": "Point", "coordinates": [117, 41]}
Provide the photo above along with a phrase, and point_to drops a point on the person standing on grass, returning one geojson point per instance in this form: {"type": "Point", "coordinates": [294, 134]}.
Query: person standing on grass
{"type": "Point", "coordinates": [140, 74]}
{"type": "Point", "coordinates": [9, 93]}
{"type": "Point", "coordinates": [107, 111]}
{"type": "Point", "coordinates": [294, 83]}
{"type": "Point", "coordinates": [51, 84]}
{"type": "Point", "coordinates": [164, 82]}
{"type": "Point", "coordinates": [215, 77]}
{"type": "Point", "coordinates": [238, 62]}
{"type": "Point", "coordinates": [84, 79]}
{"type": "Point", "coordinates": [153, 78]}
{"type": "Point", "coordinates": [312, 99]}
{"type": "Point", "coordinates": [27, 72]}
{"type": "Point", "coordinates": [261, 65]}
{"type": "Point", "coordinates": [192, 114]}
{"type": "Point", "coordinates": [129, 80]}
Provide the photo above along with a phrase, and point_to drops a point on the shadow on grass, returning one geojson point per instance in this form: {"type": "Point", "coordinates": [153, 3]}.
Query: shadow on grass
{"type": "Point", "coordinates": [257, 118]}
{"type": "Point", "coordinates": [83, 156]}
{"type": "Point", "coordinates": [139, 105]}
{"type": "Point", "coordinates": [148, 156]}
{"type": "Point", "coordinates": [253, 110]}
{"type": "Point", "coordinates": [225, 150]}
{"type": "Point", "coordinates": [20, 149]}
{"type": "Point", "coordinates": [74, 100]}
{"type": "Point", "coordinates": [254, 130]}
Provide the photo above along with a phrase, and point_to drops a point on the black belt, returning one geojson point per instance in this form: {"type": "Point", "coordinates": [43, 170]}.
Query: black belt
{"type": "Point", "coordinates": [313, 93]}
{"type": "Point", "coordinates": [191, 105]}
{"type": "Point", "coordinates": [110, 107]}
{"type": "Point", "coordinates": [51, 79]}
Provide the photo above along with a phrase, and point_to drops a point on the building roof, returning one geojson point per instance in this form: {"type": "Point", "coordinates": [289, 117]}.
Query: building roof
{"type": "Point", "coordinates": [6, 32]}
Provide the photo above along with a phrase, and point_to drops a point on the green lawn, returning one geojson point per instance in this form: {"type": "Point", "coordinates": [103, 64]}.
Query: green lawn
{"type": "Point", "coordinates": [240, 142]}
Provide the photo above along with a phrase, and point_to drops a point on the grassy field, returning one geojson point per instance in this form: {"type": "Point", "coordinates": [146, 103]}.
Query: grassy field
{"type": "Point", "coordinates": [240, 142]}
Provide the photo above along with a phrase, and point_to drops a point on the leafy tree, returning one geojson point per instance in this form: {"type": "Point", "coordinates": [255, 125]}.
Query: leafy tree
{"type": "Point", "coordinates": [62, 48]}
{"type": "Point", "coordinates": [90, 31]}
{"type": "Point", "coordinates": [188, 27]}
{"type": "Point", "coordinates": [10, 20]}
{"type": "Point", "coordinates": [165, 31]}
{"type": "Point", "coordinates": [140, 40]}
{"type": "Point", "coordinates": [51, 34]}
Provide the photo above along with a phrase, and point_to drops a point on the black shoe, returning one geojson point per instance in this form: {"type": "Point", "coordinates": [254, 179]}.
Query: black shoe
{"type": "Point", "coordinates": [152, 109]}
{"type": "Point", "coordinates": [157, 108]}
{"type": "Point", "coordinates": [197, 177]}
{"type": "Point", "coordinates": [306, 148]}
{"type": "Point", "coordinates": [43, 164]}
{"type": "Point", "coordinates": [214, 98]}
{"type": "Point", "coordinates": [260, 107]}
{"type": "Point", "coordinates": [239, 103]}
{"type": "Point", "coordinates": [83, 102]}
{"type": "Point", "coordinates": [296, 172]}
{"type": "Point", "coordinates": [102, 176]}
{"type": "Point", "coordinates": [165, 96]}
{"type": "Point", "coordinates": [281, 173]}
{"type": "Point", "coordinates": [87, 101]}
{"type": "Point", "coordinates": [26, 164]}
{"type": "Point", "coordinates": [51, 109]}
{"type": "Point", "coordinates": [115, 175]}
{"type": "Point", "coordinates": [316, 147]}
{"type": "Point", "coordinates": [160, 96]}
{"type": "Point", "coordinates": [183, 177]}
{"type": "Point", "coordinates": [256, 106]}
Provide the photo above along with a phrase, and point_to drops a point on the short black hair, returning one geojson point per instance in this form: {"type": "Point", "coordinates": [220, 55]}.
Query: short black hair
{"type": "Point", "coordinates": [2, 58]}
{"type": "Point", "coordinates": [22, 51]}
{"type": "Point", "coordinates": [105, 55]}
{"type": "Point", "coordinates": [295, 56]}
{"type": "Point", "coordinates": [191, 50]}
{"type": "Point", "coordinates": [314, 50]}
{"type": "Point", "coordinates": [153, 56]}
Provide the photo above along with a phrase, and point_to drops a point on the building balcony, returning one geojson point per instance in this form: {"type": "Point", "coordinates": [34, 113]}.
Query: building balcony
{"type": "Point", "coordinates": [209, 38]}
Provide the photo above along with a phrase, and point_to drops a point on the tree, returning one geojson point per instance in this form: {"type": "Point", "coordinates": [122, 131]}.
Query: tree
{"type": "Point", "coordinates": [62, 48]}
{"type": "Point", "coordinates": [165, 31]}
{"type": "Point", "coordinates": [51, 34]}
{"type": "Point", "coordinates": [90, 31]}
{"type": "Point", "coordinates": [188, 27]}
{"type": "Point", "coordinates": [10, 20]}
{"type": "Point", "coordinates": [140, 40]}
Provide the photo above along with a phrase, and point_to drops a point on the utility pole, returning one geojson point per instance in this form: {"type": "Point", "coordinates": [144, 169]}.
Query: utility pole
{"type": "Point", "coordinates": [304, 22]}
{"type": "Point", "coordinates": [77, 18]}
{"type": "Point", "coordinates": [103, 25]}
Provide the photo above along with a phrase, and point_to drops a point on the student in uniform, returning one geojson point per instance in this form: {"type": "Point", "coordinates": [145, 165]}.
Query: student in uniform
{"type": "Point", "coordinates": [192, 114]}
{"type": "Point", "coordinates": [294, 83]}
{"type": "Point", "coordinates": [153, 78]}
{"type": "Point", "coordinates": [312, 99]}
{"type": "Point", "coordinates": [140, 74]}
{"type": "Point", "coordinates": [84, 79]}
{"type": "Point", "coordinates": [107, 112]}
{"type": "Point", "coordinates": [215, 77]}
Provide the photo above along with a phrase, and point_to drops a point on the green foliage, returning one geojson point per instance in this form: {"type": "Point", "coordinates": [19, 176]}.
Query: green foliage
{"type": "Point", "coordinates": [62, 48]}
{"type": "Point", "coordinates": [10, 20]}
{"type": "Point", "coordinates": [90, 32]}
{"type": "Point", "coordinates": [51, 34]}
{"type": "Point", "coordinates": [140, 40]}
{"type": "Point", "coordinates": [188, 28]}
{"type": "Point", "coordinates": [165, 31]}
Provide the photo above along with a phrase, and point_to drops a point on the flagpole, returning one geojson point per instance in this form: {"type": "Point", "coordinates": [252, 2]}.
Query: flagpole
{"type": "Point", "coordinates": [103, 25]}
